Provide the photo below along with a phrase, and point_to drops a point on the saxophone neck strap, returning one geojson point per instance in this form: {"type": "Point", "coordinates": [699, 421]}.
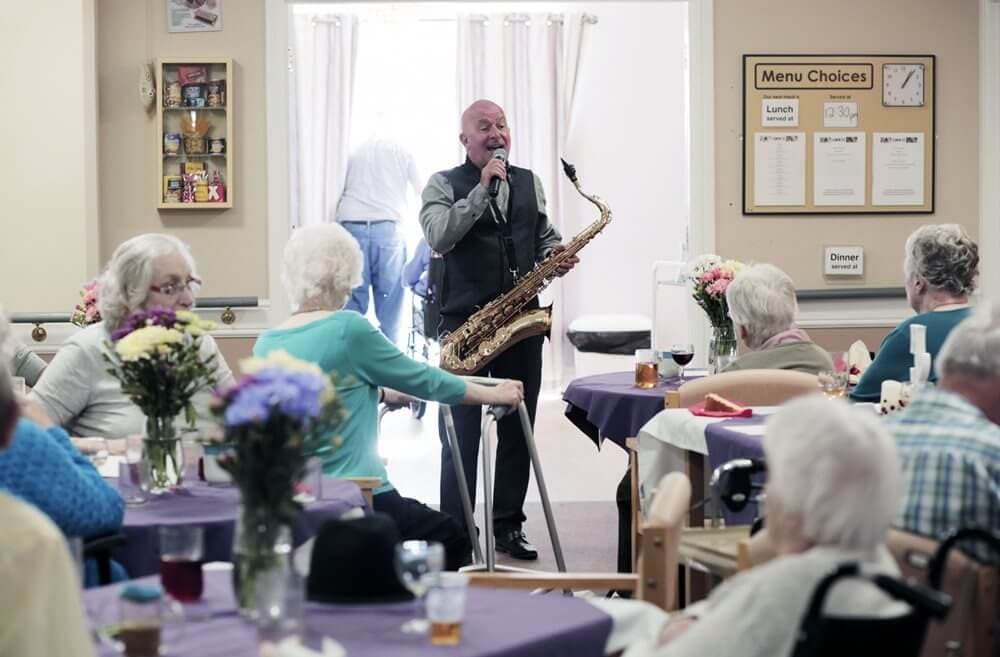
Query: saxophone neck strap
{"type": "Point", "coordinates": [506, 235]}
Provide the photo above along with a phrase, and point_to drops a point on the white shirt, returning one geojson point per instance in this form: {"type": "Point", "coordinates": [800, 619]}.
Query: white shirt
{"type": "Point", "coordinates": [378, 173]}
{"type": "Point", "coordinates": [39, 587]}
{"type": "Point", "coordinates": [757, 613]}
{"type": "Point", "coordinates": [80, 395]}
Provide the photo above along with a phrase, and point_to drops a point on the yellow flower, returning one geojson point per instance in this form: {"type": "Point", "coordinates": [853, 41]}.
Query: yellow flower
{"type": "Point", "coordinates": [144, 342]}
{"type": "Point", "coordinates": [282, 359]}
{"type": "Point", "coordinates": [193, 325]}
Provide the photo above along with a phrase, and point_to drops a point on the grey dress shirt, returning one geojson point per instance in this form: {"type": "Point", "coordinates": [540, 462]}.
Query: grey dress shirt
{"type": "Point", "coordinates": [445, 221]}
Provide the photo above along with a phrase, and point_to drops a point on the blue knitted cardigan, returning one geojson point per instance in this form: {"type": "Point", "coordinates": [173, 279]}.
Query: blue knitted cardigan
{"type": "Point", "coordinates": [43, 468]}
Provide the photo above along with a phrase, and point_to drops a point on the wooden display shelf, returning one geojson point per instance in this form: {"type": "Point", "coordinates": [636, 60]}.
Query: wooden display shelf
{"type": "Point", "coordinates": [220, 121]}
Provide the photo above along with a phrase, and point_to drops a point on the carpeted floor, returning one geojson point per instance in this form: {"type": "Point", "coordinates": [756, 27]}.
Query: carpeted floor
{"type": "Point", "coordinates": [588, 532]}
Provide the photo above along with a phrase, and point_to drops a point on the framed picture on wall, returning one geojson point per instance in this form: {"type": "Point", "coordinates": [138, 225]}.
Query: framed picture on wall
{"type": "Point", "coordinates": [194, 15]}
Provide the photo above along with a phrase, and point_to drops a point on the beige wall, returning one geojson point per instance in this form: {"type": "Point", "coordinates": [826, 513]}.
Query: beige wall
{"type": "Point", "coordinates": [230, 245]}
{"type": "Point", "coordinates": [46, 172]}
{"type": "Point", "coordinates": [949, 30]}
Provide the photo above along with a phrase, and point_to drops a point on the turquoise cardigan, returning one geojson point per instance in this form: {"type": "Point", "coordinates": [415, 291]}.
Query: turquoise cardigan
{"type": "Point", "coordinates": [893, 360]}
{"type": "Point", "coordinates": [361, 359]}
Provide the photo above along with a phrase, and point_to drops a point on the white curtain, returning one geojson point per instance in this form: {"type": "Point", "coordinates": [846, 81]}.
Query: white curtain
{"type": "Point", "coordinates": [529, 63]}
{"type": "Point", "coordinates": [541, 55]}
{"type": "Point", "coordinates": [471, 59]}
{"type": "Point", "coordinates": [324, 58]}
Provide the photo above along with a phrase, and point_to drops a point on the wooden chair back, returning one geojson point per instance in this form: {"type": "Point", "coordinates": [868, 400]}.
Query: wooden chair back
{"type": "Point", "coordinates": [746, 387]}
{"type": "Point", "coordinates": [970, 628]}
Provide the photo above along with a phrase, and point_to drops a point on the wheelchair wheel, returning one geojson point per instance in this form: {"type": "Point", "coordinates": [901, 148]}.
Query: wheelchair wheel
{"type": "Point", "coordinates": [418, 408]}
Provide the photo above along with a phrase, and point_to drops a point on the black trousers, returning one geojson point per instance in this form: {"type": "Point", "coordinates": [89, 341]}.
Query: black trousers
{"type": "Point", "coordinates": [417, 521]}
{"type": "Point", "coordinates": [522, 362]}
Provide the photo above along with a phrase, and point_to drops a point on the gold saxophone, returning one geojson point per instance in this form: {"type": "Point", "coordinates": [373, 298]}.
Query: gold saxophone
{"type": "Point", "coordinates": [504, 321]}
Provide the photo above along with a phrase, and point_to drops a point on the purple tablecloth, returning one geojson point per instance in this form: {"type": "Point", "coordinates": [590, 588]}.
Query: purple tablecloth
{"type": "Point", "coordinates": [726, 444]}
{"type": "Point", "coordinates": [611, 406]}
{"type": "Point", "coordinates": [497, 622]}
{"type": "Point", "coordinates": [215, 507]}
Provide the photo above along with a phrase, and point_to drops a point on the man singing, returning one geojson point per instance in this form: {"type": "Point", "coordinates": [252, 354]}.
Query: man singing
{"type": "Point", "coordinates": [488, 242]}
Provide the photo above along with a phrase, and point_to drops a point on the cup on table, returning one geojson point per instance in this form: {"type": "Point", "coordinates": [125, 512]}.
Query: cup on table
{"type": "Point", "coordinates": [182, 548]}
{"type": "Point", "coordinates": [645, 368]}
{"type": "Point", "coordinates": [833, 384]}
{"type": "Point", "coordinates": [19, 385]}
{"type": "Point", "coordinates": [212, 472]}
{"type": "Point", "coordinates": [133, 448]}
{"type": "Point", "coordinates": [140, 610]}
{"type": "Point", "coordinates": [133, 482]}
{"type": "Point", "coordinates": [193, 452]}
{"type": "Point", "coordinates": [446, 609]}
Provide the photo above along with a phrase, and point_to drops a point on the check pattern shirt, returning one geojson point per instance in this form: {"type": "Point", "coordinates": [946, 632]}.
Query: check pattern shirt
{"type": "Point", "coordinates": [950, 457]}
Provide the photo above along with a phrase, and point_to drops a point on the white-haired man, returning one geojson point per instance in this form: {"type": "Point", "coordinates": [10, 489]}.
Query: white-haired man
{"type": "Point", "coordinates": [762, 305]}
{"type": "Point", "coordinates": [39, 588]}
{"type": "Point", "coordinates": [831, 493]}
{"type": "Point", "coordinates": [948, 439]}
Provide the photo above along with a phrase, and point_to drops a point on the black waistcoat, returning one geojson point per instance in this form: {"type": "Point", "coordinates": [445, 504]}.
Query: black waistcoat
{"type": "Point", "coordinates": [476, 270]}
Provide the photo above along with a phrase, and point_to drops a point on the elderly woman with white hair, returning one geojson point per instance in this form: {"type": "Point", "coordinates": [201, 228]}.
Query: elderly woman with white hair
{"type": "Point", "coordinates": [941, 268]}
{"type": "Point", "coordinates": [322, 264]}
{"type": "Point", "coordinates": [762, 306]}
{"type": "Point", "coordinates": [76, 390]}
{"type": "Point", "coordinates": [832, 492]}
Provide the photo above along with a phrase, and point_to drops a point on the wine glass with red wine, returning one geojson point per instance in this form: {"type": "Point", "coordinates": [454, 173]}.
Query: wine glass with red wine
{"type": "Point", "coordinates": [181, 550]}
{"type": "Point", "coordinates": [682, 355]}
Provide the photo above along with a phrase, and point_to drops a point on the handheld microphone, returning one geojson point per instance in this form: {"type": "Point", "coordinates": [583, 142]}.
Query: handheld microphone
{"type": "Point", "coordinates": [498, 154]}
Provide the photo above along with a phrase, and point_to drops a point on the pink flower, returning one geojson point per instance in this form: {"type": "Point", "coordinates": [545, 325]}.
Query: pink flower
{"type": "Point", "coordinates": [718, 288]}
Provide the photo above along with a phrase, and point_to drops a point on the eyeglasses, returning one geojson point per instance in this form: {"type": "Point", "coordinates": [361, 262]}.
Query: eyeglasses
{"type": "Point", "coordinates": [173, 288]}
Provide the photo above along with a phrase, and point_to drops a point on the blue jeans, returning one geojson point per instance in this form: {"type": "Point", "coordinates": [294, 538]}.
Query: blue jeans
{"type": "Point", "coordinates": [384, 254]}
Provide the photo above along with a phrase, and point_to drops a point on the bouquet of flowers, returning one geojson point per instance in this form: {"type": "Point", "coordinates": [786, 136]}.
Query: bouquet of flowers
{"type": "Point", "coordinates": [85, 312]}
{"type": "Point", "coordinates": [710, 276]}
{"type": "Point", "coordinates": [283, 412]}
{"type": "Point", "coordinates": [156, 356]}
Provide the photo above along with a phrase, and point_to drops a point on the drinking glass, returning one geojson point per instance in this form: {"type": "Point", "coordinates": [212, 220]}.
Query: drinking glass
{"type": "Point", "coordinates": [446, 609]}
{"type": "Point", "coordinates": [833, 383]}
{"type": "Point", "coordinates": [133, 481]}
{"type": "Point", "coordinates": [418, 566]}
{"type": "Point", "coordinates": [181, 551]}
{"type": "Point", "coordinates": [646, 374]}
{"type": "Point", "coordinates": [682, 355]}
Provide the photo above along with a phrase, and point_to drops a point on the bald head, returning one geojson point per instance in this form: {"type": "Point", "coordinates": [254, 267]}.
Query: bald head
{"type": "Point", "coordinates": [484, 129]}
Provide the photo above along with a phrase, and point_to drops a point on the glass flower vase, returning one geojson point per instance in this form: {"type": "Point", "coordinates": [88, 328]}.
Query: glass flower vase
{"type": "Point", "coordinates": [721, 347]}
{"type": "Point", "coordinates": [163, 453]}
{"type": "Point", "coordinates": [262, 549]}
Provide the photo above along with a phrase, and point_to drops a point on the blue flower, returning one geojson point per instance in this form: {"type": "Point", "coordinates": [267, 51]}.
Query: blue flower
{"type": "Point", "coordinates": [295, 395]}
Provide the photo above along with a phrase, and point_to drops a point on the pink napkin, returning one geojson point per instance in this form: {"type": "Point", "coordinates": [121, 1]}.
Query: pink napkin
{"type": "Point", "coordinates": [699, 409]}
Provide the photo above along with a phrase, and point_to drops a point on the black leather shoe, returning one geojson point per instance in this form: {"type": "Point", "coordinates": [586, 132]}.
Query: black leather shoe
{"type": "Point", "coordinates": [514, 543]}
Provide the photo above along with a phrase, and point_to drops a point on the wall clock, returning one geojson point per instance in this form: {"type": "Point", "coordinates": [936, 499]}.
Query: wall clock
{"type": "Point", "coordinates": [903, 85]}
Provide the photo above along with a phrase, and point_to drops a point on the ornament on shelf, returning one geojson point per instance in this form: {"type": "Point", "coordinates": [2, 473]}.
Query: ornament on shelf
{"type": "Point", "coordinates": [216, 190]}
{"type": "Point", "coordinates": [187, 195]}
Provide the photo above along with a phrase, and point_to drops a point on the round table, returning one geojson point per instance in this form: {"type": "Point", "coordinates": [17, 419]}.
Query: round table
{"type": "Point", "coordinates": [612, 406]}
{"type": "Point", "coordinates": [215, 509]}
